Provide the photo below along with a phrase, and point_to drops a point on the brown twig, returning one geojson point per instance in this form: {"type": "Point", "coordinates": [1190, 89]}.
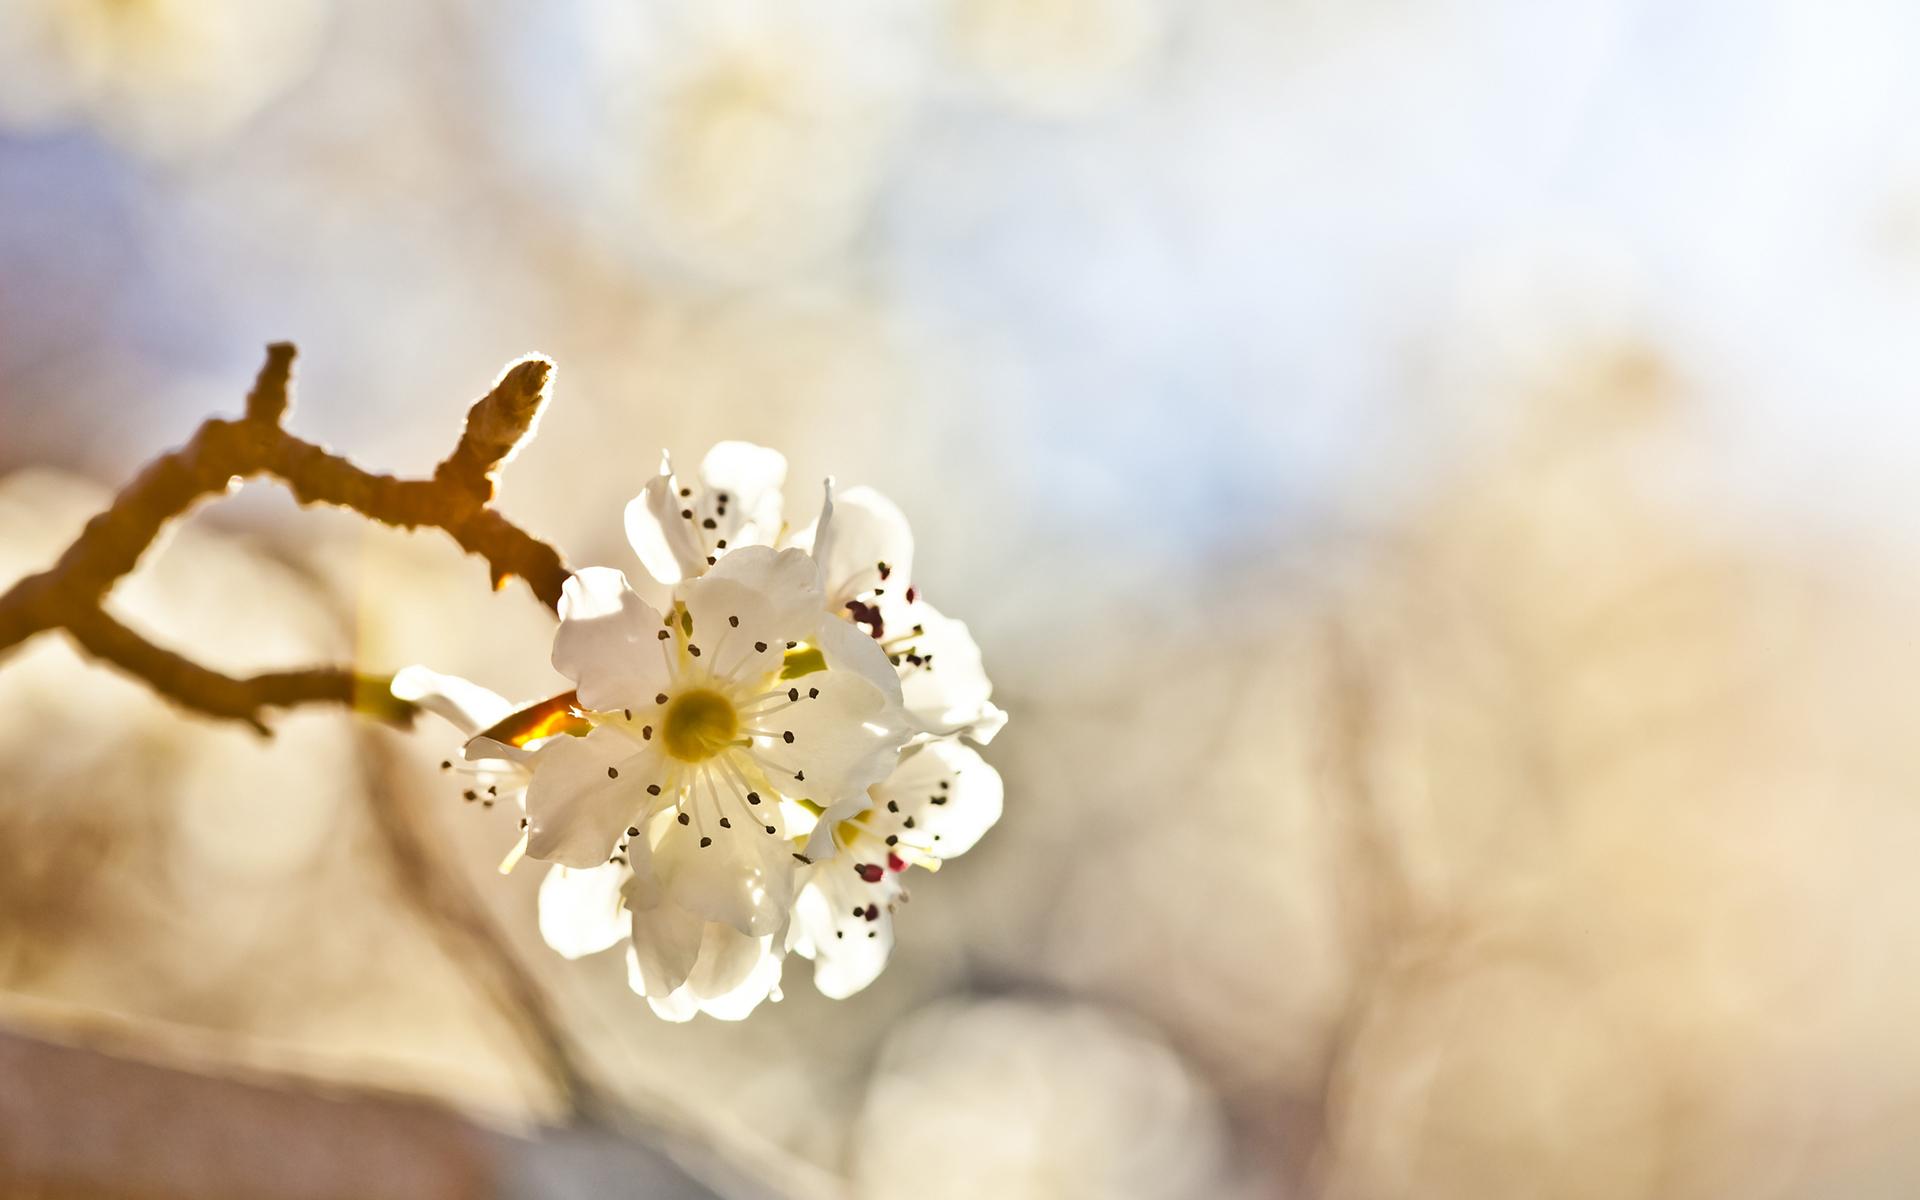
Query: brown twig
{"type": "Point", "coordinates": [455, 914]}
{"type": "Point", "coordinates": [458, 499]}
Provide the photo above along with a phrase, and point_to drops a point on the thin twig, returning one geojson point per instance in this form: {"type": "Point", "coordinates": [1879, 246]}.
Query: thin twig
{"type": "Point", "coordinates": [443, 895]}
{"type": "Point", "coordinates": [458, 499]}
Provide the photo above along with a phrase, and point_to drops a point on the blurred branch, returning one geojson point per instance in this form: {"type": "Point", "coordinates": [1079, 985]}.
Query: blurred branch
{"type": "Point", "coordinates": [458, 499]}
{"type": "Point", "coordinates": [455, 914]}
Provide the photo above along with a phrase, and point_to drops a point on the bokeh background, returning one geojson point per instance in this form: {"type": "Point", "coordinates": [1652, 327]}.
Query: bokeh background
{"type": "Point", "coordinates": [1432, 480]}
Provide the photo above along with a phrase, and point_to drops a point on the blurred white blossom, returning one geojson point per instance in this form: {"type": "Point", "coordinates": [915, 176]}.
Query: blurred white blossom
{"type": "Point", "coordinates": [161, 75]}
{"type": "Point", "coordinates": [1052, 58]}
{"type": "Point", "coordinates": [1022, 1101]}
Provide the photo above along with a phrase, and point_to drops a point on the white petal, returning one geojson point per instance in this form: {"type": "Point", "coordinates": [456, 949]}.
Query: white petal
{"type": "Point", "coordinates": [947, 691]}
{"type": "Point", "coordinates": [848, 647]}
{"type": "Point", "coordinates": [584, 794]}
{"type": "Point", "coordinates": [727, 958]}
{"type": "Point", "coordinates": [750, 477]}
{"type": "Point", "coordinates": [951, 794]}
{"type": "Point", "coordinates": [608, 642]}
{"type": "Point", "coordinates": [662, 538]}
{"type": "Point", "coordinates": [743, 999]}
{"type": "Point", "coordinates": [679, 1008]}
{"type": "Point", "coordinates": [468, 706]}
{"type": "Point", "coordinates": [666, 946]}
{"type": "Point", "coordinates": [746, 609]}
{"type": "Point", "coordinates": [581, 911]}
{"type": "Point", "coordinates": [861, 530]}
{"type": "Point", "coordinates": [744, 878]}
{"type": "Point", "coordinates": [849, 950]}
{"type": "Point", "coordinates": [845, 740]}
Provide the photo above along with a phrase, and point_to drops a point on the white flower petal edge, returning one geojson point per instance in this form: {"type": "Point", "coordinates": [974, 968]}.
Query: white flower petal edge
{"type": "Point", "coordinates": [680, 530]}
{"type": "Point", "coordinates": [706, 742]}
{"type": "Point", "coordinates": [493, 770]}
{"type": "Point", "coordinates": [863, 544]}
{"type": "Point", "coordinates": [685, 966]}
{"type": "Point", "coordinates": [465, 705]}
{"type": "Point", "coordinates": [934, 806]}
{"type": "Point", "coordinates": [581, 912]}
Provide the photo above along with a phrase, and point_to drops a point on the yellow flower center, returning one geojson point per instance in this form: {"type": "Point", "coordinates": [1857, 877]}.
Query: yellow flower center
{"type": "Point", "coordinates": [700, 724]}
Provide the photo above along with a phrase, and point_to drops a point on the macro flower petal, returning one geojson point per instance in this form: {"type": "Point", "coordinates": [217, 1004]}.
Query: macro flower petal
{"type": "Point", "coordinates": [608, 641]}
{"type": "Point", "coordinates": [941, 799]}
{"type": "Point", "coordinates": [745, 480]}
{"type": "Point", "coordinates": [581, 910]}
{"type": "Point", "coordinates": [942, 681]}
{"type": "Point", "coordinates": [749, 606]}
{"type": "Point", "coordinates": [584, 794]}
{"type": "Point", "coordinates": [665, 542]}
{"type": "Point", "coordinates": [744, 877]}
{"type": "Point", "coordinates": [727, 958]}
{"type": "Point", "coordinates": [863, 543]}
{"type": "Point", "coordinates": [466, 705]}
{"type": "Point", "coordinates": [849, 948]}
{"type": "Point", "coordinates": [666, 945]}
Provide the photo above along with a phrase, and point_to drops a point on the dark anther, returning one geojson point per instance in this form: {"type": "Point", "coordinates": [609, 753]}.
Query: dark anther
{"type": "Point", "coordinates": [753, 797]}
{"type": "Point", "coordinates": [685, 819]}
{"type": "Point", "coordinates": [613, 773]}
{"type": "Point", "coordinates": [722, 497]}
{"type": "Point", "coordinates": [646, 733]}
{"type": "Point", "coordinates": [633, 831]}
{"type": "Point", "coordinates": [705, 842]}
{"type": "Point", "coordinates": [627, 713]}
{"type": "Point", "coordinates": [721, 544]}
{"type": "Point", "coordinates": [759, 647]}
{"type": "Point", "coordinates": [913, 593]}
{"type": "Point", "coordinates": [493, 791]}
{"type": "Point", "coordinates": [893, 806]}
{"type": "Point", "coordinates": [653, 789]}
{"type": "Point", "coordinates": [664, 635]}
{"type": "Point", "coordinates": [800, 775]}
{"type": "Point", "coordinates": [837, 933]}
{"type": "Point", "coordinates": [687, 513]}
{"type": "Point", "coordinates": [909, 822]}
{"type": "Point", "coordinates": [725, 824]}
{"type": "Point", "coordinates": [471, 794]}
{"type": "Point", "coordinates": [686, 491]}
{"type": "Point", "coordinates": [813, 693]}
{"type": "Point", "coordinates": [711, 560]}
{"type": "Point", "coordinates": [791, 645]}
{"type": "Point", "coordinates": [793, 694]}
{"type": "Point", "coordinates": [709, 523]}
{"type": "Point", "coordinates": [486, 804]}
{"type": "Point", "coordinates": [660, 698]}
{"type": "Point", "coordinates": [734, 621]}
{"type": "Point", "coordinates": [769, 829]}
{"type": "Point", "coordinates": [446, 765]}
{"type": "Point", "coordinates": [803, 858]}
{"type": "Point", "coordinates": [892, 838]}
{"type": "Point", "coordinates": [788, 735]}
{"type": "Point", "coordinates": [871, 872]}
{"type": "Point", "coordinates": [885, 570]}
{"type": "Point", "coordinates": [693, 650]}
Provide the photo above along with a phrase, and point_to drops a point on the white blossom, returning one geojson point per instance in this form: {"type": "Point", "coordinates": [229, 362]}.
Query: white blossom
{"type": "Point", "coordinates": [718, 732]}
{"type": "Point", "coordinates": [493, 770]}
{"type": "Point", "coordinates": [161, 75]}
{"type": "Point", "coordinates": [584, 911]}
{"type": "Point", "coordinates": [934, 806]}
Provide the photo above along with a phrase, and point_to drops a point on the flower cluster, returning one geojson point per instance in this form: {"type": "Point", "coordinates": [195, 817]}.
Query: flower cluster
{"type": "Point", "coordinates": [753, 768]}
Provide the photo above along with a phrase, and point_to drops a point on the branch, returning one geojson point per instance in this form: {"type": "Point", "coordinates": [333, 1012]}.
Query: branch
{"type": "Point", "coordinates": [458, 499]}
